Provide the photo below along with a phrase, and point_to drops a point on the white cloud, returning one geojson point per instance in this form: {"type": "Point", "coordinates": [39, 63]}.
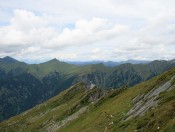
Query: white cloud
{"type": "Point", "coordinates": [27, 29]}
{"type": "Point", "coordinates": [87, 32]}
{"type": "Point", "coordinates": [106, 29]}
{"type": "Point", "coordinates": [26, 20]}
{"type": "Point", "coordinates": [96, 50]}
{"type": "Point", "coordinates": [20, 31]}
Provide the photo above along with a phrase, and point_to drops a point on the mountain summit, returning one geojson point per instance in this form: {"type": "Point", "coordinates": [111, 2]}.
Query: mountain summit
{"type": "Point", "coordinates": [8, 59]}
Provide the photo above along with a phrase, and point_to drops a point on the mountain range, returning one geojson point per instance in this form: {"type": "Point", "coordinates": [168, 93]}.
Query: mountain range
{"type": "Point", "coordinates": [108, 63]}
{"type": "Point", "coordinates": [148, 106]}
{"type": "Point", "coordinates": [23, 86]}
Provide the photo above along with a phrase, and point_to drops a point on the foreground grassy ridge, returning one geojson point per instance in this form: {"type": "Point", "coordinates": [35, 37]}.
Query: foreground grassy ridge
{"type": "Point", "coordinates": [100, 119]}
{"type": "Point", "coordinates": [40, 116]}
{"type": "Point", "coordinates": [107, 114]}
{"type": "Point", "coordinates": [162, 118]}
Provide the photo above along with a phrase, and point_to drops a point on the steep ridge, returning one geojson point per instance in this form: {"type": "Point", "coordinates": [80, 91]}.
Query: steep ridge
{"type": "Point", "coordinates": [58, 111]}
{"type": "Point", "coordinates": [22, 86]}
{"type": "Point", "coordinates": [142, 103]}
{"type": "Point", "coordinates": [148, 106]}
{"type": "Point", "coordinates": [130, 75]}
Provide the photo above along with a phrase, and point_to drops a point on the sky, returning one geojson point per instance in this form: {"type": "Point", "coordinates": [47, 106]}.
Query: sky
{"type": "Point", "coordinates": [76, 30]}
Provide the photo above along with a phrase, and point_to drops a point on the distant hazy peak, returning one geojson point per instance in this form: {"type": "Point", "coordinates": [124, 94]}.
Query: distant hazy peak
{"type": "Point", "coordinates": [8, 59]}
{"type": "Point", "coordinates": [55, 60]}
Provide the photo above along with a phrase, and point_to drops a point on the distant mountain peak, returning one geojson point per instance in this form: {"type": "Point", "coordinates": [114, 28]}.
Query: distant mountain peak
{"type": "Point", "coordinates": [54, 60]}
{"type": "Point", "coordinates": [51, 61]}
{"type": "Point", "coordinates": [9, 59]}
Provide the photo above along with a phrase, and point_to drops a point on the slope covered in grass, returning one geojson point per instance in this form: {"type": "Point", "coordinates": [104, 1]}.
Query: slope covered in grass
{"type": "Point", "coordinates": [56, 111]}
{"type": "Point", "coordinates": [112, 113]}
{"type": "Point", "coordinates": [78, 109]}
{"type": "Point", "coordinates": [23, 86]}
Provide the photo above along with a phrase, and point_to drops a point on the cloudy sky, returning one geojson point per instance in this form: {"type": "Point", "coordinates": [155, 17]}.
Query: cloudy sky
{"type": "Point", "coordinates": [77, 30]}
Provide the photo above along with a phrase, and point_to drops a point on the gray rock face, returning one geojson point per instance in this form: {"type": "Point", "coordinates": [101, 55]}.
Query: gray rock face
{"type": "Point", "coordinates": [94, 96]}
{"type": "Point", "coordinates": [92, 86]}
{"type": "Point", "coordinates": [56, 125]}
{"type": "Point", "coordinates": [96, 78]}
{"type": "Point", "coordinates": [142, 103]}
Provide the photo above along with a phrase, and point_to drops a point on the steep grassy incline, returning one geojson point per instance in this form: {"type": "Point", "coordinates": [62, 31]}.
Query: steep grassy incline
{"type": "Point", "coordinates": [149, 106]}
{"type": "Point", "coordinates": [56, 112]}
{"type": "Point", "coordinates": [112, 114]}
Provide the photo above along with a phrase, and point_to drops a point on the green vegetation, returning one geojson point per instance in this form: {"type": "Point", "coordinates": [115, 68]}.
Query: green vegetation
{"type": "Point", "coordinates": [103, 110]}
{"type": "Point", "coordinates": [23, 86]}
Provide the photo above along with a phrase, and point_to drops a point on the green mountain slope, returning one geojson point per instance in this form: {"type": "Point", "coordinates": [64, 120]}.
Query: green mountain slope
{"type": "Point", "coordinates": [148, 106]}
{"type": "Point", "coordinates": [72, 100]}
{"type": "Point", "coordinates": [22, 86]}
{"type": "Point", "coordinates": [155, 98]}
{"type": "Point", "coordinates": [43, 69]}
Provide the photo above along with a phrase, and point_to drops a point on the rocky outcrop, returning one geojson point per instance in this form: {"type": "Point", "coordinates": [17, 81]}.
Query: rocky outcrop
{"type": "Point", "coordinates": [92, 94]}
{"type": "Point", "coordinates": [143, 103]}
{"type": "Point", "coordinates": [56, 125]}
{"type": "Point", "coordinates": [97, 78]}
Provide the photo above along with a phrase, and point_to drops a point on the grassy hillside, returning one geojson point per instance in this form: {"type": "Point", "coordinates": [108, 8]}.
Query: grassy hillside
{"type": "Point", "coordinates": [77, 109]}
{"type": "Point", "coordinates": [48, 114]}
{"type": "Point", "coordinates": [22, 86]}
{"type": "Point", "coordinates": [111, 114]}
{"type": "Point", "coordinates": [43, 69]}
